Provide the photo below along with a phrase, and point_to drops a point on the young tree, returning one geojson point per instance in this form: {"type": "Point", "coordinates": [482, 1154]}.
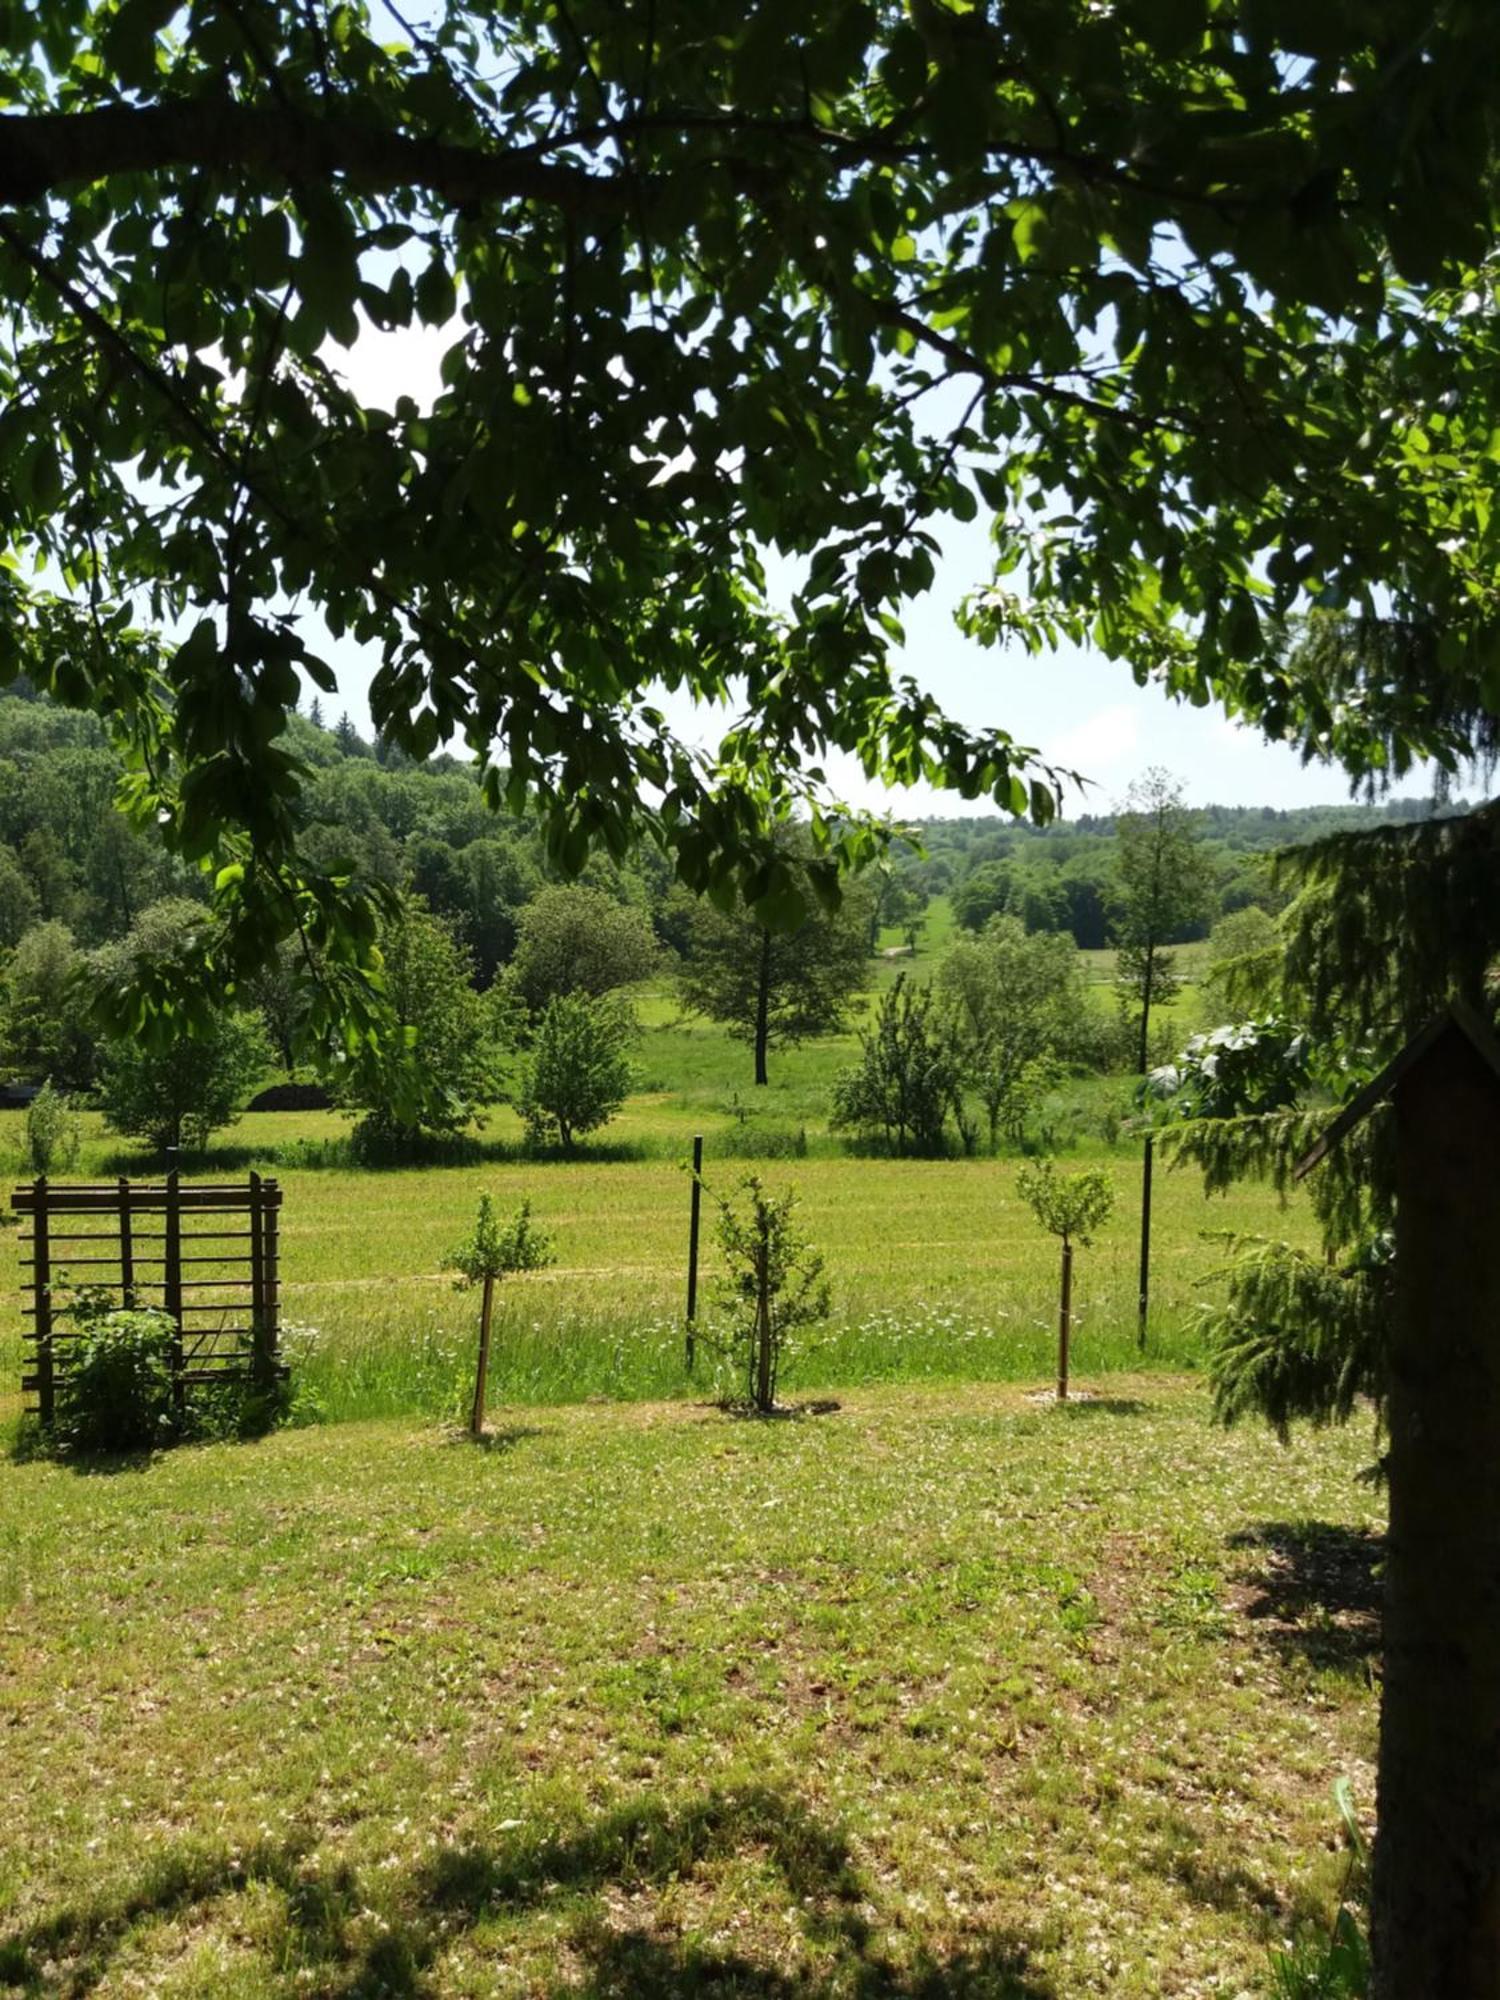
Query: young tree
{"type": "Point", "coordinates": [896, 901]}
{"type": "Point", "coordinates": [446, 1061]}
{"type": "Point", "coordinates": [774, 1286]}
{"type": "Point", "coordinates": [1008, 998]}
{"type": "Point", "coordinates": [181, 1093]}
{"type": "Point", "coordinates": [1072, 1207]}
{"type": "Point", "coordinates": [44, 1015]}
{"type": "Point", "coordinates": [907, 1079]}
{"type": "Point", "coordinates": [578, 1072]}
{"type": "Point", "coordinates": [486, 1256]}
{"type": "Point", "coordinates": [1163, 889]}
{"type": "Point", "coordinates": [571, 938]}
{"type": "Point", "coordinates": [54, 1132]}
{"type": "Point", "coordinates": [776, 988]}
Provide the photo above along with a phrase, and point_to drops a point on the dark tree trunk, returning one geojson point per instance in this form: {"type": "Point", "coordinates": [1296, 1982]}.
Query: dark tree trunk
{"type": "Point", "coordinates": [1143, 1049]}
{"type": "Point", "coordinates": [1436, 1891]}
{"type": "Point", "coordinates": [763, 1007]}
{"type": "Point", "coordinates": [765, 1373]}
{"type": "Point", "coordinates": [1065, 1321]}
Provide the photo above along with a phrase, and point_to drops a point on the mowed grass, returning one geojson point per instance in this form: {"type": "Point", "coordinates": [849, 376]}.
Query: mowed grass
{"type": "Point", "coordinates": [937, 1267]}
{"type": "Point", "coordinates": [950, 1692]}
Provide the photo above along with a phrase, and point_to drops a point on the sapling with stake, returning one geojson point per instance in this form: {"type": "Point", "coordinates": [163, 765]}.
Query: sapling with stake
{"type": "Point", "coordinates": [493, 1252]}
{"type": "Point", "coordinates": [773, 1286]}
{"type": "Point", "coordinates": [1071, 1206]}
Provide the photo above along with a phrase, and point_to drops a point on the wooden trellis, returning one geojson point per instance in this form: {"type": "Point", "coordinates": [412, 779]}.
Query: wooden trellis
{"type": "Point", "coordinates": [207, 1256]}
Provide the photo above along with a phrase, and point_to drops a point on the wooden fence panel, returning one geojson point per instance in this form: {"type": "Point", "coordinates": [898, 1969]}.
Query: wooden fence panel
{"type": "Point", "coordinates": [219, 1286]}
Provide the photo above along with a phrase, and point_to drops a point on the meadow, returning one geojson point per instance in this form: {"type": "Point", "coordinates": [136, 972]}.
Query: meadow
{"type": "Point", "coordinates": [938, 1270]}
{"type": "Point", "coordinates": [949, 1692]}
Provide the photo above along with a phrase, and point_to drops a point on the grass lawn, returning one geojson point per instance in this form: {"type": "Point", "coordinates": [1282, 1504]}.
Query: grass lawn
{"type": "Point", "coordinates": [948, 1692]}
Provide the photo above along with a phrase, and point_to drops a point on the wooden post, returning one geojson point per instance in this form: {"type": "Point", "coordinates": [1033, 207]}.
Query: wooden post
{"type": "Point", "coordinates": [172, 1280]}
{"type": "Point", "coordinates": [476, 1417]}
{"type": "Point", "coordinates": [765, 1385]}
{"type": "Point", "coordinates": [41, 1278]}
{"type": "Point", "coordinates": [1065, 1321]}
{"type": "Point", "coordinates": [693, 1225]}
{"type": "Point", "coordinates": [127, 1249]}
{"type": "Point", "coordinates": [270, 1237]}
{"type": "Point", "coordinates": [260, 1366]}
{"type": "Point", "coordinates": [1144, 1306]}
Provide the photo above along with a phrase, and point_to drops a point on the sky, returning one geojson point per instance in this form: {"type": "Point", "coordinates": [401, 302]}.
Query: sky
{"type": "Point", "coordinates": [1080, 711]}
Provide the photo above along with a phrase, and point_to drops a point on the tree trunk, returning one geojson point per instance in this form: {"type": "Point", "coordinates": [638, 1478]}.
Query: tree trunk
{"type": "Point", "coordinates": [1148, 980]}
{"type": "Point", "coordinates": [1436, 1889]}
{"type": "Point", "coordinates": [481, 1373]}
{"type": "Point", "coordinates": [1065, 1321]}
{"type": "Point", "coordinates": [763, 1007]}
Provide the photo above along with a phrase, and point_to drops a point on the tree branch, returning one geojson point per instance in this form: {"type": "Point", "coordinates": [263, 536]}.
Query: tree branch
{"type": "Point", "coordinates": [44, 152]}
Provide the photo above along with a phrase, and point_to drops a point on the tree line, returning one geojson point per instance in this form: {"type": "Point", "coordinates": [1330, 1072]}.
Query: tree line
{"type": "Point", "coordinates": [507, 983]}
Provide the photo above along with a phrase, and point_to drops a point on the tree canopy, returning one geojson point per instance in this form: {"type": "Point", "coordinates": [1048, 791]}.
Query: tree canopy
{"type": "Point", "coordinates": [1190, 296]}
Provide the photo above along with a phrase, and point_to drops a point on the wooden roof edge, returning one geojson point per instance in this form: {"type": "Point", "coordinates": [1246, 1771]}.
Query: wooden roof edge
{"type": "Point", "coordinates": [1456, 1014]}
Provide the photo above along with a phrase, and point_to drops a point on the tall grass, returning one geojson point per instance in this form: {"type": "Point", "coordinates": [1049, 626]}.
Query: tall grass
{"type": "Point", "coordinates": [421, 1359]}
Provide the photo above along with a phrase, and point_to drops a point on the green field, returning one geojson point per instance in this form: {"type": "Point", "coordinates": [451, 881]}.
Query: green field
{"type": "Point", "coordinates": [949, 1692]}
{"type": "Point", "coordinates": [938, 1270]}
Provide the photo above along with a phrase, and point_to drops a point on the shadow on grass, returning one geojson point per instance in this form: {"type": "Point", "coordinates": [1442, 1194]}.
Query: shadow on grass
{"type": "Point", "coordinates": [29, 1444]}
{"type": "Point", "coordinates": [1083, 1405]}
{"type": "Point", "coordinates": [741, 1410]}
{"type": "Point", "coordinates": [71, 1950]}
{"type": "Point", "coordinates": [1223, 1882]}
{"type": "Point", "coordinates": [1316, 1590]}
{"type": "Point", "coordinates": [341, 1153]}
{"type": "Point", "coordinates": [494, 1439]}
{"type": "Point", "coordinates": [641, 1845]}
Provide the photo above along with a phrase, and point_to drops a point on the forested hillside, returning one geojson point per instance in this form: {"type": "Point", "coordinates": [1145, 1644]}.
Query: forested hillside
{"type": "Point", "coordinates": [76, 879]}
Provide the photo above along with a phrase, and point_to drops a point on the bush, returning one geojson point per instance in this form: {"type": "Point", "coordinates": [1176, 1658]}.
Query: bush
{"type": "Point", "coordinates": [54, 1132]}
{"type": "Point", "coordinates": [906, 1079]}
{"type": "Point", "coordinates": [114, 1392]}
{"type": "Point", "coordinates": [186, 1089]}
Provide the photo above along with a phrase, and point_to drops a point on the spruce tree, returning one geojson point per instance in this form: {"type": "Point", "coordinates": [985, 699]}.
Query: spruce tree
{"type": "Point", "coordinates": [1390, 927]}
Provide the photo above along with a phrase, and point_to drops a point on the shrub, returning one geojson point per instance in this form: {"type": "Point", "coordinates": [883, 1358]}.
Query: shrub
{"type": "Point", "coordinates": [907, 1077]}
{"type": "Point", "coordinates": [53, 1130]}
{"type": "Point", "coordinates": [115, 1391]}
